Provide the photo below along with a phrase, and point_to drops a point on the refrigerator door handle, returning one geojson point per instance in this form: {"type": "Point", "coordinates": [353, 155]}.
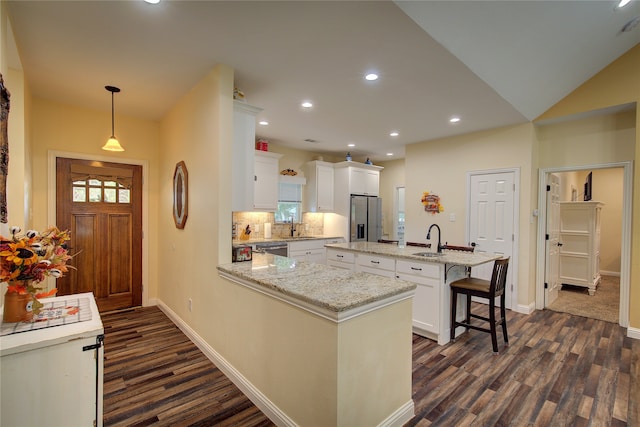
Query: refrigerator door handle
{"type": "Point", "coordinates": [360, 231]}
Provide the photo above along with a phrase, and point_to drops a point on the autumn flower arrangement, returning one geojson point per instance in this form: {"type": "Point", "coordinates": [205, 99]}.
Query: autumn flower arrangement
{"type": "Point", "coordinates": [431, 203]}
{"type": "Point", "coordinates": [27, 259]}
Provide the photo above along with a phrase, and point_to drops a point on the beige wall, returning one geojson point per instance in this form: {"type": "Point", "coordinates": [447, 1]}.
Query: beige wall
{"type": "Point", "coordinates": [617, 84]}
{"type": "Point", "coordinates": [391, 177]}
{"type": "Point", "coordinates": [82, 132]}
{"type": "Point", "coordinates": [441, 167]}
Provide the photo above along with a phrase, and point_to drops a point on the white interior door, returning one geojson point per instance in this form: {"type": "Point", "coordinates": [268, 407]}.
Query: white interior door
{"type": "Point", "coordinates": [491, 221]}
{"type": "Point", "coordinates": [552, 239]}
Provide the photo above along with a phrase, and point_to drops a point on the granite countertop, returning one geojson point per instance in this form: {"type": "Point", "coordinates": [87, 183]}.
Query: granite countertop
{"type": "Point", "coordinates": [467, 259]}
{"type": "Point", "coordinates": [281, 239]}
{"type": "Point", "coordinates": [333, 289]}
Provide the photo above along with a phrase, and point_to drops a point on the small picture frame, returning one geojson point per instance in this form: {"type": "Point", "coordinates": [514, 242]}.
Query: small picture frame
{"type": "Point", "coordinates": [180, 195]}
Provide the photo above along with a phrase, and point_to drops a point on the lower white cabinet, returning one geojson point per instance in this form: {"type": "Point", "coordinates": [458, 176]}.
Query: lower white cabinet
{"type": "Point", "coordinates": [54, 376]}
{"type": "Point", "coordinates": [382, 266]}
{"type": "Point", "coordinates": [307, 250]}
{"type": "Point", "coordinates": [341, 259]}
{"type": "Point", "coordinates": [426, 301]}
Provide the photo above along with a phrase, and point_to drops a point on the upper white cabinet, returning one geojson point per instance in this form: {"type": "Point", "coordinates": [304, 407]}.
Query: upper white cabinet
{"type": "Point", "coordinates": [319, 188]}
{"type": "Point", "coordinates": [265, 191]}
{"type": "Point", "coordinates": [358, 178]}
{"type": "Point", "coordinates": [243, 167]}
{"type": "Point", "coordinates": [580, 238]}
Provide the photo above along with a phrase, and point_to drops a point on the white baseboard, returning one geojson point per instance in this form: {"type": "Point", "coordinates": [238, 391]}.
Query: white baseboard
{"type": "Point", "coordinates": [400, 417]}
{"type": "Point", "coordinates": [526, 309]}
{"type": "Point", "coordinates": [610, 273]}
{"type": "Point", "coordinates": [255, 395]}
{"type": "Point", "coordinates": [633, 333]}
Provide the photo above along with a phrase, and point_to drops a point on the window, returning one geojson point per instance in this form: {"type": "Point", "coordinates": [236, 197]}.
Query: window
{"type": "Point", "coordinates": [98, 184]}
{"type": "Point", "coordinates": [289, 203]}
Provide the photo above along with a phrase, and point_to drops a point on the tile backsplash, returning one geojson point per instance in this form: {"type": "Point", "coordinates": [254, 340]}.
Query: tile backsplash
{"type": "Point", "coordinates": [312, 224]}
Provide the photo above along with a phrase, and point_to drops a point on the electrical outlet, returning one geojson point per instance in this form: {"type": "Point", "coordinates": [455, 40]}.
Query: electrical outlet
{"type": "Point", "coordinates": [190, 304]}
{"type": "Point", "coordinates": [452, 217]}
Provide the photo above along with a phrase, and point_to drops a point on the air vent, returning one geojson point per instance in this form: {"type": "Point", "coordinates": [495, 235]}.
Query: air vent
{"type": "Point", "coordinates": [312, 141]}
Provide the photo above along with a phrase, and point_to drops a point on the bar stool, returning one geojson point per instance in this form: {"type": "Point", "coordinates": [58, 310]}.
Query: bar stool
{"type": "Point", "coordinates": [473, 287]}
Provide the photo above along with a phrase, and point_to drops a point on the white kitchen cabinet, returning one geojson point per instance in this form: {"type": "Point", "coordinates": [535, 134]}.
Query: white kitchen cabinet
{"type": "Point", "coordinates": [265, 191]}
{"type": "Point", "coordinates": [375, 264]}
{"type": "Point", "coordinates": [53, 376]}
{"type": "Point", "coordinates": [319, 188]}
{"type": "Point", "coordinates": [341, 259]}
{"type": "Point", "coordinates": [308, 250]}
{"type": "Point", "coordinates": [580, 239]}
{"type": "Point", "coordinates": [426, 301]}
{"type": "Point", "coordinates": [243, 166]}
{"type": "Point", "coordinates": [357, 178]}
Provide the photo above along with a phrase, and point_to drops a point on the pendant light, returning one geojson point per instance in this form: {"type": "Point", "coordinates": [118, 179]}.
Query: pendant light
{"type": "Point", "coordinates": [112, 143]}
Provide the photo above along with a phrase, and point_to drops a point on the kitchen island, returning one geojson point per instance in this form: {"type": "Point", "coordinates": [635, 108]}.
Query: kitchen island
{"type": "Point", "coordinates": [323, 346]}
{"type": "Point", "coordinates": [432, 273]}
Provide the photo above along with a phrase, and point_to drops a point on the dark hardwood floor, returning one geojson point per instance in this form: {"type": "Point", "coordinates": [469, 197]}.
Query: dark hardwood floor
{"type": "Point", "coordinates": [560, 370]}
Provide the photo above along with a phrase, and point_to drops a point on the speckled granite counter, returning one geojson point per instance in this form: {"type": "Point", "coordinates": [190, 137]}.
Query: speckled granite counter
{"type": "Point", "coordinates": [467, 259]}
{"type": "Point", "coordinates": [330, 292]}
{"type": "Point", "coordinates": [282, 239]}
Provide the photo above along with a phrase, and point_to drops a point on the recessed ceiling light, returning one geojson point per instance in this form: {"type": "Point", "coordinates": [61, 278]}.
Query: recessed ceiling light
{"type": "Point", "coordinates": [263, 122]}
{"type": "Point", "coordinates": [454, 119]}
{"type": "Point", "coordinates": [394, 134]}
{"type": "Point", "coordinates": [371, 77]}
{"type": "Point", "coordinates": [389, 154]}
{"type": "Point", "coordinates": [623, 3]}
{"type": "Point", "coordinates": [307, 104]}
{"type": "Point", "coordinates": [152, 1]}
{"type": "Point", "coordinates": [351, 145]}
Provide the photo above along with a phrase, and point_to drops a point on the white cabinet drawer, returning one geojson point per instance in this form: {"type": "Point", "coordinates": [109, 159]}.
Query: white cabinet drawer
{"type": "Point", "coordinates": [305, 245]}
{"type": "Point", "coordinates": [419, 268]}
{"type": "Point", "coordinates": [379, 262]}
{"type": "Point", "coordinates": [340, 256]}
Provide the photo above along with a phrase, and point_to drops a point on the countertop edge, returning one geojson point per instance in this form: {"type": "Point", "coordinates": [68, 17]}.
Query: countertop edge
{"type": "Point", "coordinates": [392, 251]}
{"type": "Point", "coordinates": [315, 307]}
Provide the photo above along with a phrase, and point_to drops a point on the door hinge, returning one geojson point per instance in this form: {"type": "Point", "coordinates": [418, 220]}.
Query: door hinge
{"type": "Point", "coordinates": [548, 188]}
{"type": "Point", "coordinates": [546, 237]}
{"type": "Point", "coordinates": [546, 285]}
{"type": "Point", "coordinates": [95, 346]}
{"type": "Point", "coordinates": [513, 237]}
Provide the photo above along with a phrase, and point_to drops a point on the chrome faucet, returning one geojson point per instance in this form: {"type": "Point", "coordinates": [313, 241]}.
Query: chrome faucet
{"type": "Point", "coordinates": [293, 227]}
{"type": "Point", "coordinates": [440, 247]}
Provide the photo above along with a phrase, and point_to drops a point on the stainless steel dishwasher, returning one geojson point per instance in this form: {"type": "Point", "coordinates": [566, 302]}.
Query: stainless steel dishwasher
{"type": "Point", "coordinates": [275, 248]}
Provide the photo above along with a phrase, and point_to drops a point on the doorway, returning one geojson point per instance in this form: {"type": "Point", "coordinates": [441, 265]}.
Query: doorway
{"type": "Point", "coordinates": [117, 225]}
{"type": "Point", "coordinates": [573, 191]}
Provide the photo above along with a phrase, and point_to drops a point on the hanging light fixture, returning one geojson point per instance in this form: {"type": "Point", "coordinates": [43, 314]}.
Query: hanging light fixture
{"type": "Point", "coordinates": [112, 143]}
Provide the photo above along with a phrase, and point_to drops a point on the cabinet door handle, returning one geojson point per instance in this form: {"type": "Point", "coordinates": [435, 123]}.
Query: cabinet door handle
{"type": "Point", "coordinates": [375, 262]}
{"type": "Point", "coordinates": [417, 269]}
{"type": "Point", "coordinates": [339, 256]}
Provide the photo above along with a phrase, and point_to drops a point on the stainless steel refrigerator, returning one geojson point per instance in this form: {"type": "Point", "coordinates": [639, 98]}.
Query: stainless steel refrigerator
{"type": "Point", "coordinates": [365, 223]}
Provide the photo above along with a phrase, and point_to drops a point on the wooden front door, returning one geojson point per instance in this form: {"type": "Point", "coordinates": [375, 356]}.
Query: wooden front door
{"type": "Point", "coordinates": [101, 204]}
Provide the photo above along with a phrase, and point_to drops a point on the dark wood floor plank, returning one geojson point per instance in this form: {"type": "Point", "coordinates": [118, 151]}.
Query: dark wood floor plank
{"type": "Point", "coordinates": [558, 370]}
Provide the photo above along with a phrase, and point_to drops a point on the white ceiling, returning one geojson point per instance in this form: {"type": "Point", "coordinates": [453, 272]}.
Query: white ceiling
{"type": "Point", "coordinates": [493, 63]}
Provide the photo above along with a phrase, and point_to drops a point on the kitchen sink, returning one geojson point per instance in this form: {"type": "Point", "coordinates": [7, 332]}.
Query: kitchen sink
{"type": "Point", "coordinates": [429, 254]}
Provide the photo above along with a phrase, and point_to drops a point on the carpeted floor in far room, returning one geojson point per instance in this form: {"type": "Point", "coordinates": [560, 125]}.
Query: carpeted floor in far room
{"type": "Point", "coordinates": [604, 305]}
